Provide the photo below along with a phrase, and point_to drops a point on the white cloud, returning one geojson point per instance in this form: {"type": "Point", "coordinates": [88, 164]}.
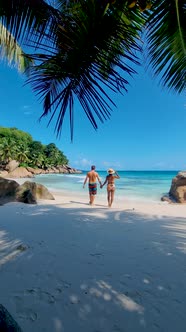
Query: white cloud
{"type": "Point", "coordinates": [27, 113]}
{"type": "Point", "coordinates": [114, 164]}
{"type": "Point", "coordinates": [27, 110]}
{"type": "Point", "coordinates": [83, 162]}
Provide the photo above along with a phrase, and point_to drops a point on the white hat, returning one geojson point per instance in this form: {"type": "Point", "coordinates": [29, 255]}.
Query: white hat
{"type": "Point", "coordinates": [111, 171]}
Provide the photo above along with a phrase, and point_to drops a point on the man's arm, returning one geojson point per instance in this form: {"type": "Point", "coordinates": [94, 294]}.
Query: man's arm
{"type": "Point", "coordinates": [104, 182]}
{"type": "Point", "coordinates": [99, 180]}
{"type": "Point", "coordinates": [85, 181]}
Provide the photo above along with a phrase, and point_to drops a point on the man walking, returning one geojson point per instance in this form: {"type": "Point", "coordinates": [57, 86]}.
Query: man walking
{"type": "Point", "coordinates": [92, 177]}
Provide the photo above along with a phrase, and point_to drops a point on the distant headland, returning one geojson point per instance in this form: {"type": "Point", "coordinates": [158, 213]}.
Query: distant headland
{"type": "Point", "coordinates": [21, 156]}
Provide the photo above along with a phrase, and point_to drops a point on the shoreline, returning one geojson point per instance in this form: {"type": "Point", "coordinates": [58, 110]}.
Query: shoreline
{"type": "Point", "coordinates": [80, 199]}
{"type": "Point", "coordinates": [130, 188]}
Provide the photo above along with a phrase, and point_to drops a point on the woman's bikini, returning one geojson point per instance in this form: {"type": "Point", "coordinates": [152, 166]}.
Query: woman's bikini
{"type": "Point", "coordinates": [110, 184]}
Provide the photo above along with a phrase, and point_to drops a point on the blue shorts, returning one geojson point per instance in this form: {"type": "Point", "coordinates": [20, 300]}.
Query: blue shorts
{"type": "Point", "coordinates": [92, 188]}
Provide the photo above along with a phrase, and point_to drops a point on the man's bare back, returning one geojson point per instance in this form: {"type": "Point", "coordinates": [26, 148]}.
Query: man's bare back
{"type": "Point", "coordinates": [92, 176]}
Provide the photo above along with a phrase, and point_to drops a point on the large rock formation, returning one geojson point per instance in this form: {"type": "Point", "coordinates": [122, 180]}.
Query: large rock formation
{"type": "Point", "coordinates": [3, 174]}
{"type": "Point", "coordinates": [8, 189]}
{"type": "Point", "coordinates": [34, 171]}
{"type": "Point", "coordinates": [177, 193]}
{"type": "Point", "coordinates": [13, 164]}
{"type": "Point", "coordinates": [28, 192]}
{"type": "Point", "coordinates": [178, 188]}
{"type": "Point", "coordinates": [13, 171]}
{"type": "Point", "coordinates": [20, 172]}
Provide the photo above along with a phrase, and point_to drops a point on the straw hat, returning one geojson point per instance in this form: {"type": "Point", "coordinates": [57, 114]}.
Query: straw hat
{"type": "Point", "coordinates": [111, 171]}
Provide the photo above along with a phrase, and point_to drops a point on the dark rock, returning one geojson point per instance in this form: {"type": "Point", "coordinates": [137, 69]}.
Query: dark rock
{"type": "Point", "coordinates": [178, 188]}
{"type": "Point", "coordinates": [167, 198]}
{"type": "Point", "coordinates": [8, 188]}
{"type": "Point", "coordinates": [29, 192]}
{"type": "Point", "coordinates": [7, 322]}
{"type": "Point", "coordinates": [25, 194]}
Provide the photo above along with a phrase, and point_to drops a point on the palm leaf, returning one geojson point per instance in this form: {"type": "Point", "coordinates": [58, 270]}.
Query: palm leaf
{"type": "Point", "coordinates": [12, 52]}
{"type": "Point", "coordinates": [166, 37]}
{"type": "Point", "coordinates": [85, 49]}
{"type": "Point", "coordinates": [91, 50]}
{"type": "Point", "coordinates": [28, 19]}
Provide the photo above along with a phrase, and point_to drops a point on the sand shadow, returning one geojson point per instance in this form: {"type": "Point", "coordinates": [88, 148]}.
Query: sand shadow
{"type": "Point", "coordinates": [94, 205]}
{"type": "Point", "coordinates": [112, 271]}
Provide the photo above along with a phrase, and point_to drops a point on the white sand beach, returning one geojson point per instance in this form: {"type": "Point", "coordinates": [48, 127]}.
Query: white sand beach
{"type": "Point", "coordinates": [66, 266]}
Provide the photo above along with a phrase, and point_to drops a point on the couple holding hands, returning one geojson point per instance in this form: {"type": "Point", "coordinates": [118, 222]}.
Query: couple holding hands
{"type": "Point", "coordinates": [92, 177]}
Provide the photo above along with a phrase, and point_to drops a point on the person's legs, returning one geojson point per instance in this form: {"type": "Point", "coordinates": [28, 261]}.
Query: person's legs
{"type": "Point", "coordinates": [112, 197]}
{"type": "Point", "coordinates": [92, 199]}
{"type": "Point", "coordinates": [108, 197]}
{"type": "Point", "coordinates": [92, 192]}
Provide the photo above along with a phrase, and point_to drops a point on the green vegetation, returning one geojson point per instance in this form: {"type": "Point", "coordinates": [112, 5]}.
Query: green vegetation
{"type": "Point", "coordinates": [79, 50]}
{"type": "Point", "coordinates": [19, 145]}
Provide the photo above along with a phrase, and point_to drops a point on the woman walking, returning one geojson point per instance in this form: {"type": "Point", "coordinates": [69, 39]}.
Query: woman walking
{"type": "Point", "coordinates": [110, 180]}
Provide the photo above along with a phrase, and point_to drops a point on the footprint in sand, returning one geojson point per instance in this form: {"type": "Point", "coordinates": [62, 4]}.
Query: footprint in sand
{"type": "Point", "coordinates": [59, 290]}
{"type": "Point", "coordinates": [117, 329]}
{"type": "Point", "coordinates": [42, 295]}
{"type": "Point", "coordinates": [38, 293]}
{"type": "Point", "coordinates": [96, 254]}
{"type": "Point", "coordinates": [28, 314]}
{"type": "Point", "coordinates": [22, 311]}
{"type": "Point", "coordinates": [64, 284]}
{"type": "Point", "coordinates": [22, 247]}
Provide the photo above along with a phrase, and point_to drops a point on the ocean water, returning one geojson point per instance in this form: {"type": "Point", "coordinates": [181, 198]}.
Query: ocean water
{"type": "Point", "coordinates": [132, 185]}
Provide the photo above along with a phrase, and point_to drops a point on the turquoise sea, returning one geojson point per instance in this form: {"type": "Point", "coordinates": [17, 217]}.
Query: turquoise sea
{"type": "Point", "coordinates": [132, 185]}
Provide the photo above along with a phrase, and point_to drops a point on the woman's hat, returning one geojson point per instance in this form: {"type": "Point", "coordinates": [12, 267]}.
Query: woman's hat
{"type": "Point", "coordinates": [111, 171]}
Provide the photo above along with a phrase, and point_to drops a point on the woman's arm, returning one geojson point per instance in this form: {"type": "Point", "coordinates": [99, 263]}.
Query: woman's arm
{"type": "Point", "coordinates": [117, 176]}
{"type": "Point", "coordinates": [104, 182]}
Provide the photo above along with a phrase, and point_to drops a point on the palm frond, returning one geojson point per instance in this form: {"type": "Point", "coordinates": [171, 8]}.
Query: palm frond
{"type": "Point", "coordinates": [12, 52]}
{"type": "Point", "coordinates": [90, 53]}
{"type": "Point", "coordinates": [166, 35]}
{"type": "Point", "coordinates": [28, 19]}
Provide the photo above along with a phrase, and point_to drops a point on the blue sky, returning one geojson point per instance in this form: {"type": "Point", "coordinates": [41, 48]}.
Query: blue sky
{"type": "Point", "coordinates": [147, 130]}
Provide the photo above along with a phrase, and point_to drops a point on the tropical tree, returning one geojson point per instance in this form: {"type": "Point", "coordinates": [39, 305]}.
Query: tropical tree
{"type": "Point", "coordinates": [62, 159]}
{"type": "Point", "coordinates": [50, 149]}
{"type": "Point", "coordinates": [8, 149]}
{"type": "Point", "coordinates": [36, 148]}
{"type": "Point", "coordinates": [84, 49]}
{"type": "Point", "coordinates": [19, 145]}
{"type": "Point", "coordinates": [45, 163]}
{"type": "Point", "coordinates": [22, 154]}
{"type": "Point", "coordinates": [54, 155]}
{"type": "Point", "coordinates": [40, 160]}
